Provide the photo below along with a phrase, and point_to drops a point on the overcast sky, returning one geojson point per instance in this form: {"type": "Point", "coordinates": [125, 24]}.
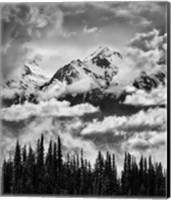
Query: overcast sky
{"type": "Point", "coordinates": [61, 32]}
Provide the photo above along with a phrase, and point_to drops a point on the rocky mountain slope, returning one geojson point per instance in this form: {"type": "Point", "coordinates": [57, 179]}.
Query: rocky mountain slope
{"type": "Point", "coordinates": [82, 81]}
{"type": "Point", "coordinates": [24, 85]}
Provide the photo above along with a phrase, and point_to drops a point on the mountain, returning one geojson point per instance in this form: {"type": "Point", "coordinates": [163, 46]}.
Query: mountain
{"type": "Point", "coordinates": [148, 82]}
{"type": "Point", "coordinates": [23, 86]}
{"type": "Point", "coordinates": [90, 80]}
{"type": "Point", "coordinates": [96, 71]}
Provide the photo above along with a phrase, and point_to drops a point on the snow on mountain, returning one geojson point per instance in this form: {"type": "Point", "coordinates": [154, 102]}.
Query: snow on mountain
{"type": "Point", "coordinates": [103, 62]}
{"type": "Point", "coordinates": [35, 73]}
{"type": "Point", "coordinates": [96, 71]}
{"type": "Point", "coordinates": [92, 80]}
{"type": "Point", "coordinates": [23, 86]}
{"type": "Point", "coordinates": [72, 72]}
{"type": "Point", "coordinates": [104, 53]}
{"type": "Point", "coordinates": [148, 82]}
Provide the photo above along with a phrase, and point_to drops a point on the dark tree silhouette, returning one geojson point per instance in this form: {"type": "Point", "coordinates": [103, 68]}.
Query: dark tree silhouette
{"type": "Point", "coordinates": [36, 172]}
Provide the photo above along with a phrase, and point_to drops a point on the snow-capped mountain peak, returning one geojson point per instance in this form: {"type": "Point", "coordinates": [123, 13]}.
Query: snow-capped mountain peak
{"type": "Point", "coordinates": [31, 67]}
{"type": "Point", "coordinates": [102, 52]}
{"type": "Point", "coordinates": [90, 78]}
{"type": "Point", "coordinates": [103, 62]}
{"type": "Point", "coordinates": [23, 86]}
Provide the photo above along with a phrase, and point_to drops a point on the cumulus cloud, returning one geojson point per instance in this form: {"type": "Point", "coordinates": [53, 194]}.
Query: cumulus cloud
{"type": "Point", "coordinates": [146, 142]}
{"type": "Point", "coordinates": [148, 41]}
{"type": "Point", "coordinates": [90, 30]}
{"type": "Point", "coordinates": [158, 96]}
{"type": "Point", "coordinates": [51, 127]}
{"type": "Point", "coordinates": [138, 143]}
{"type": "Point", "coordinates": [145, 53]}
{"type": "Point", "coordinates": [55, 90]}
{"type": "Point", "coordinates": [81, 86]}
{"type": "Point", "coordinates": [139, 134]}
{"type": "Point", "coordinates": [144, 120]}
{"type": "Point", "coordinates": [47, 108]}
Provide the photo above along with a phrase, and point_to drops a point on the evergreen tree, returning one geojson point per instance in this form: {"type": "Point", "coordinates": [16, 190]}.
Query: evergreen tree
{"type": "Point", "coordinates": [126, 175]}
{"type": "Point", "coordinates": [160, 180]}
{"type": "Point", "coordinates": [98, 187]}
{"type": "Point", "coordinates": [35, 172]}
{"type": "Point", "coordinates": [59, 167]}
{"type": "Point", "coordinates": [40, 165]}
{"type": "Point", "coordinates": [49, 170]}
{"type": "Point", "coordinates": [31, 172]}
{"type": "Point", "coordinates": [54, 166]}
{"type": "Point", "coordinates": [7, 172]}
{"type": "Point", "coordinates": [151, 178]}
{"type": "Point", "coordinates": [114, 186]}
{"type": "Point", "coordinates": [24, 170]}
{"type": "Point", "coordinates": [17, 182]}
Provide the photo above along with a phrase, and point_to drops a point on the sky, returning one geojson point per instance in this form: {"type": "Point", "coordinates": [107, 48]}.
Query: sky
{"type": "Point", "coordinates": [56, 33]}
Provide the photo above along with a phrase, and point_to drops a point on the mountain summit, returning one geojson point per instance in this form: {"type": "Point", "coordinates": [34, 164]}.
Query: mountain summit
{"type": "Point", "coordinates": [98, 69]}
{"type": "Point", "coordinates": [23, 86]}
{"type": "Point", "coordinates": [103, 53]}
{"type": "Point", "coordinates": [91, 80]}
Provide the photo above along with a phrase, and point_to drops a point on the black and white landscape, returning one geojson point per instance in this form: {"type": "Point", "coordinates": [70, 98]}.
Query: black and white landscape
{"type": "Point", "coordinates": [84, 98]}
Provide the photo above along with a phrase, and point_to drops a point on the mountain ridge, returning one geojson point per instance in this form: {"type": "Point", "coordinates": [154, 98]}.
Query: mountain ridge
{"type": "Point", "coordinates": [87, 80]}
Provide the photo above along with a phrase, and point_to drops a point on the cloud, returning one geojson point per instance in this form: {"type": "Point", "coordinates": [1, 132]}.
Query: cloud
{"type": "Point", "coordinates": [68, 35]}
{"type": "Point", "coordinates": [138, 143]}
{"type": "Point", "coordinates": [57, 23]}
{"type": "Point", "coordinates": [55, 90]}
{"type": "Point", "coordinates": [51, 127]}
{"type": "Point", "coordinates": [48, 108]}
{"type": "Point", "coordinates": [85, 85]}
{"type": "Point", "coordinates": [153, 119]}
{"type": "Point", "coordinates": [145, 141]}
{"type": "Point", "coordinates": [25, 23]}
{"type": "Point", "coordinates": [132, 18]}
{"type": "Point", "coordinates": [146, 52]}
{"type": "Point", "coordinates": [90, 30]}
{"type": "Point", "coordinates": [139, 134]}
{"type": "Point", "coordinates": [158, 96]}
{"type": "Point", "coordinates": [148, 41]}
{"type": "Point", "coordinates": [135, 14]}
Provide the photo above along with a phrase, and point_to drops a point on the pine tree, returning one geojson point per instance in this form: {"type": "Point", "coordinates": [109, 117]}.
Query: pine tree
{"type": "Point", "coordinates": [59, 157]}
{"type": "Point", "coordinates": [160, 180]}
{"type": "Point", "coordinates": [31, 173]}
{"type": "Point", "coordinates": [7, 175]}
{"type": "Point", "coordinates": [54, 166]}
{"type": "Point", "coordinates": [40, 168]}
{"type": "Point", "coordinates": [98, 186]}
{"type": "Point", "coordinates": [135, 178]}
{"type": "Point", "coordinates": [24, 170]}
{"type": "Point", "coordinates": [82, 173]}
{"type": "Point", "coordinates": [59, 167]}
{"type": "Point", "coordinates": [17, 182]}
{"type": "Point", "coordinates": [151, 178]}
{"type": "Point", "coordinates": [114, 187]}
{"type": "Point", "coordinates": [126, 175]}
{"type": "Point", "coordinates": [49, 170]}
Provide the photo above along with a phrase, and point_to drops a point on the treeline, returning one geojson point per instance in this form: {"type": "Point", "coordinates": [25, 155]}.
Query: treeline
{"type": "Point", "coordinates": [34, 172]}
